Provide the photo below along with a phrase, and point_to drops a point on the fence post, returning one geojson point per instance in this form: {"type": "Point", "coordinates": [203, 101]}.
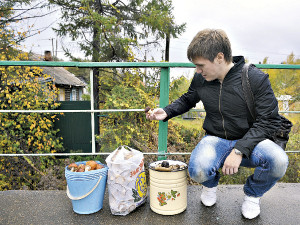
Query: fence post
{"type": "Point", "coordinates": [92, 113]}
{"type": "Point", "coordinates": [163, 101]}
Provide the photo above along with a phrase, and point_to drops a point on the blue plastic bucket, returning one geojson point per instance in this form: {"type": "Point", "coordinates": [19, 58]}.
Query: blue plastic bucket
{"type": "Point", "coordinates": [86, 189]}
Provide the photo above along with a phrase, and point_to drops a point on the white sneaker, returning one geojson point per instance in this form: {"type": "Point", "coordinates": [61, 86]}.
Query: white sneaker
{"type": "Point", "coordinates": [251, 207]}
{"type": "Point", "coordinates": [209, 196]}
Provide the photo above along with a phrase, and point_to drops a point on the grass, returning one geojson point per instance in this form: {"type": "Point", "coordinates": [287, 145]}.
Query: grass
{"type": "Point", "coordinates": [190, 123]}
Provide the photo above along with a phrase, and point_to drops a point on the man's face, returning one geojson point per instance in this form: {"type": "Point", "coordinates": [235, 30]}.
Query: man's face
{"type": "Point", "coordinates": [209, 70]}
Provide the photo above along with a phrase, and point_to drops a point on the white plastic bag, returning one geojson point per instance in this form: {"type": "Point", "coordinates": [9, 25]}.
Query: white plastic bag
{"type": "Point", "coordinates": [127, 186]}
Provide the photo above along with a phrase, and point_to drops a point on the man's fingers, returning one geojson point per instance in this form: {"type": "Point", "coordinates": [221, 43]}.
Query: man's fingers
{"type": "Point", "coordinates": [226, 171]}
{"type": "Point", "coordinates": [156, 114]}
{"type": "Point", "coordinates": [152, 116]}
{"type": "Point", "coordinates": [229, 170]}
{"type": "Point", "coordinates": [235, 170]}
{"type": "Point", "coordinates": [147, 116]}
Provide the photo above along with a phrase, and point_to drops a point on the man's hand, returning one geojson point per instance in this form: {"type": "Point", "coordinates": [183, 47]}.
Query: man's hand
{"type": "Point", "coordinates": [232, 163]}
{"type": "Point", "coordinates": [156, 114]}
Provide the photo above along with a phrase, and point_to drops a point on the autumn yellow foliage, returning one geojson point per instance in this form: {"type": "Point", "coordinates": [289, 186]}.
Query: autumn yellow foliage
{"type": "Point", "coordinates": [24, 88]}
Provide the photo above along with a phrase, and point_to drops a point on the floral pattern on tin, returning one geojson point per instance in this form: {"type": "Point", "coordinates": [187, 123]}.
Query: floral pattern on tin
{"type": "Point", "coordinates": [163, 197]}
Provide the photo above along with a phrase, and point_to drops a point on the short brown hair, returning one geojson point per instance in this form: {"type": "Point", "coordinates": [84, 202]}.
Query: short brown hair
{"type": "Point", "coordinates": [208, 43]}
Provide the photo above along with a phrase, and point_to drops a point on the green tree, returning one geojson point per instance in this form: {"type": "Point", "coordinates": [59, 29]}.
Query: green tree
{"type": "Point", "coordinates": [107, 30]}
{"type": "Point", "coordinates": [178, 87]}
{"type": "Point", "coordinates": [286, 82]}
{"type": "Point", "coordinates": [110, 30]}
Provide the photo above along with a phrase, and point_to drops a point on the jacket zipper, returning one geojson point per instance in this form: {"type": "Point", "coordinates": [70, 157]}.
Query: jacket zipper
{"type": "Point", "coordinates": [223, 122]}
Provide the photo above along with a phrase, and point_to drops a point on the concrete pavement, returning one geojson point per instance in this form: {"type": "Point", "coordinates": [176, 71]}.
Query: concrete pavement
{"type": "Point", "coordinates": [281, 205]}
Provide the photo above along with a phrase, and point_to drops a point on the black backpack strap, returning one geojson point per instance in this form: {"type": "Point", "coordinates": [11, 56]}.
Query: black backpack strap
{"type": "Point", "coordinates": [247, 91]}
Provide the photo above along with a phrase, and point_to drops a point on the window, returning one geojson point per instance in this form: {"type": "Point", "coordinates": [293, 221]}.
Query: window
{"type": "Point", "coordinates": [74, 95]}
{"type": "Point", "coordinates": [61, 96]}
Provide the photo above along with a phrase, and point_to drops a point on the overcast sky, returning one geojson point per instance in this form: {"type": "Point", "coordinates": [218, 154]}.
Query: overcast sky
{"type": "Point", "coordinates": [256, 28]}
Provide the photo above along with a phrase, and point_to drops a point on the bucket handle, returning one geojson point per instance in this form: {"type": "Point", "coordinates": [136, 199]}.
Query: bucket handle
{"type": "Point", "coordinates": [87, 194]}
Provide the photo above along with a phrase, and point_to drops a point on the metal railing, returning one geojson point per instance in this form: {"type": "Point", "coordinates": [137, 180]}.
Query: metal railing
{"type": "Point", "coordinates": [164, 97]}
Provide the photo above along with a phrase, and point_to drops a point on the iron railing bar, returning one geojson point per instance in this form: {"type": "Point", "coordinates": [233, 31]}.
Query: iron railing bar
{"type": "Point", "coordinates": [87, 154]}
{"type": "Point", "coordinates": [127, 64]}
{"type": "Point", "coordinates": [96, 64]}
{"type": "Point", "coordinates": [102, 153]}
{"type": "Point", "coordinates": [71, 111]}
{"type": "Point", "coordinates": [98, 111]}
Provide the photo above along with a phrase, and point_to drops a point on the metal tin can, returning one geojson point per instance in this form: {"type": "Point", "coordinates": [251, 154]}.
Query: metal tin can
{"type": "Point", "coordinates": [168, 189]}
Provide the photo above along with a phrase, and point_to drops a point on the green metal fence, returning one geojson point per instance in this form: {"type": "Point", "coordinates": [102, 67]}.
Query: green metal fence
{"type": "Point", "coordinates": [75, 128]}
{"type": "Point", "coordinates": [164, 96]}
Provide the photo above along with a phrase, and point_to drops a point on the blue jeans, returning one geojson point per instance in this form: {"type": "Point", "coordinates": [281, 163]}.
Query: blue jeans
{"type": "Point", "coordinates": [269, 160]}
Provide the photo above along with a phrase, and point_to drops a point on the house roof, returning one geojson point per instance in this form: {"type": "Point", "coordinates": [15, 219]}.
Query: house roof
{"type": "Point", "coordinates": [60, 75]}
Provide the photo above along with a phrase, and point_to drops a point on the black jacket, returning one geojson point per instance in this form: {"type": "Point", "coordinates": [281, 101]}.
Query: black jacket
{"type": "Point", "coordinates": [227, 115]}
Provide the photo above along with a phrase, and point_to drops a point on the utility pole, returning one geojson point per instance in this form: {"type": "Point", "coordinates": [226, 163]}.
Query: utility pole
{"type": "Point", "coordinates": [167, 52]}
{"type": "Point", "coordinates": [56, 49]}
{"type": "Point", "coordinates": [146, 60]}
{"type": "Point", "coordinates": [52, 46]}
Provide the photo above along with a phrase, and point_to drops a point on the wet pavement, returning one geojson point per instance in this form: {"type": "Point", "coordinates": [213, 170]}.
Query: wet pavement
{"type": "Point", "coordinates": [281, 205]}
